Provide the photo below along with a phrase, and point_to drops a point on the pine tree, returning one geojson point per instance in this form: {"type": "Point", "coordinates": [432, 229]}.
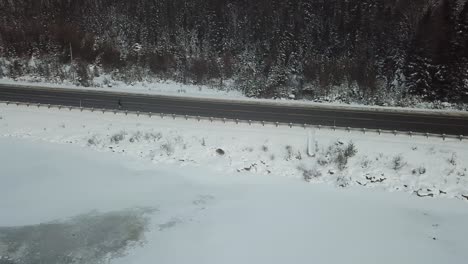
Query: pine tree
{"type": "Point", "coordinates": [294, 43]}
{"type": "Point", "coordinates": [461, 51]}
{"type": "Point", "coordinates": [419, 62]}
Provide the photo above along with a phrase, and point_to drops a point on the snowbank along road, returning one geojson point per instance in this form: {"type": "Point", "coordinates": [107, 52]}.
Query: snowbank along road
{"type": "Point", "coordinates": [430, 122]}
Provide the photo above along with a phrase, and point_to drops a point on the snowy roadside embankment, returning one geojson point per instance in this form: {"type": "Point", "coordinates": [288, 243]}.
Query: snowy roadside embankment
{"type": "Point", "coordinates": [65, 204]}
{"type": "Point", "coordinates": [153, 87]}
{"type": "Point", "coordinates": [424, 167]}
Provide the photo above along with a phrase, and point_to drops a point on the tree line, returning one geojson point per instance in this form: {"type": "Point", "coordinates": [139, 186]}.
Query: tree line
{"type": "Point", "coordinates": [370, 49]}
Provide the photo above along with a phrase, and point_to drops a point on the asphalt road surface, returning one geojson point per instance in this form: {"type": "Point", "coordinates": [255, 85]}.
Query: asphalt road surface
{"type": "Point", "coordinates": [440, 123]}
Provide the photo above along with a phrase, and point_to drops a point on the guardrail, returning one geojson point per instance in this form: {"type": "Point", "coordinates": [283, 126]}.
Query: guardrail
{"type": "Point", "coordinates": [238, 121]}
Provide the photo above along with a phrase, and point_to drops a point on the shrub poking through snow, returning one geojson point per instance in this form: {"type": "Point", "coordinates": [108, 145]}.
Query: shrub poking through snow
{"type": "Point", "coordinates": [167, 148]}
{"type": "Point", "coordinates": [341, 160]}
{"type": "Point", "coordinates": [116, 138]}
{"type": "Point", "coordinates": [322, 161]}
{"type": "Point", "coordinates": [421, 170]}
{"type": "Point", "coordinates": [398, 163]}
{"type": "Point", "coordinates": [338, 153]}
{"type": "Point", "coordinates": [264, 148]}
{"type": "Point", "coordinates": [453, 159]}
{"type": "Point", "coordinates": [310, 174]}
{"type": "Point", "coordinates": [350, 150]}
{"type": "Point", "coordinates": [152, 136]}
{"type": "Point", "coordinates": [365, 163]}
{"type": "Point", "coordinates": [93, 141]}
{"type": "Point", "coordinates": [136, 137]}
{"type": "Point", "coordinates": [298, 155]}
{"type": "Point", "coordinates": [289, 152]}
{"type": "Point", "coordinates": [106, 82]}
{"type": "Point", "coordinates": [342, 181]}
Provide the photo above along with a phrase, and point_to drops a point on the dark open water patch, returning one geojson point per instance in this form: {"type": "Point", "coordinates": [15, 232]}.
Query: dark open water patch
{"type": "Point", "coordinates": [89, 238]}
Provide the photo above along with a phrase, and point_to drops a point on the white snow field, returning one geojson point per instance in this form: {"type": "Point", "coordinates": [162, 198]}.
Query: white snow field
{"type": "Point", "coordinates": [69, 204]}
{"type": "Point", "coordinates": [417, 165]}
